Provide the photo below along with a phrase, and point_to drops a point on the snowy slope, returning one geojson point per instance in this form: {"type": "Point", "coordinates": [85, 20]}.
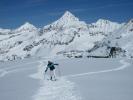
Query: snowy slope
{"type": "Point", "coordinates": [93, 79]}
{"type": "Point", "coordinates": [13, 44]}
{"type": "Point", "coordinates": [79, 35]}
{"type": "Point", "coordinates": [105, 26]}
{"type": "Point", "coordinates": [4, 31]}
{"type": "Point", "coordinates": [64, 29]}
{"type": "Point", "coordinates": [26, 27]}
{"type": "Point", "coordinates": [122, 38]}
{"type": "Point", "coordinates": [68, 20]}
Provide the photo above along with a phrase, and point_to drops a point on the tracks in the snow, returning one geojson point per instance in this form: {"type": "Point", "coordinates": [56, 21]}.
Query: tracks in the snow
{"type": "Point", "coordinates": [61, 89]}
{"type": "Point", "coordinates": [16, 68]}
{"type": "Point", "coordinates": [123, 66]}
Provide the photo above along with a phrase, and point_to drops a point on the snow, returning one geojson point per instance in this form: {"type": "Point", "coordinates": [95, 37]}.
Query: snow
{"type": "Point", "coordinates": [4, 31]}
{"type": "Point", "coordinates": [77, 79]}
{"type": "Point", "coordinates": [66, 21]}
{"type": "Point", "coordinates": [125, 64]}
{"type": "Point", "coordinates": [107, 25]}
{"type": "Point", "coordinates": [104, 27]}
{"type": "Point", "coordinates": [66, 34]}
{"type": "Point", "coordinates": [84, 42]}
{"type": "Point", "coordinates": [15, 85]}
{"type": "Point", "coordinates": [26, 27]}
{"type": "Point", "coordinates": [122, 38]}
{"type": "Point", "coordinates": [60, 90]}
{"type": "Point", "coordinates": [81, 79]}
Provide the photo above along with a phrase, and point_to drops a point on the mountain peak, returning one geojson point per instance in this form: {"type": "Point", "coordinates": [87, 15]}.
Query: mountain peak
{"type": "Point", "coordinates": [67, 20]}
{"type": "Point", "coordinates": [67, 13]}
{"type": "Point", "coordinates": [26, 27]}
{"type": "Point", "coordinates": [69, 16]}
{"type": "Point", "coordinates": [99, 21]}
{"type": "Point", "coordinates": [27, 24]}
{"type": "Point", "coordinates": [107, 22]}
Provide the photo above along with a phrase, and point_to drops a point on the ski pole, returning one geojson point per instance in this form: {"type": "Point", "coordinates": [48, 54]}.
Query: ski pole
{"type": "Point", "coordinates": [59, 71]}
{"type": "Point", "coordinates": [44, 75]}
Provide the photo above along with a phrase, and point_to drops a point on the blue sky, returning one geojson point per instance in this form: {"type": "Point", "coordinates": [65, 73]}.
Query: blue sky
{"type": "Point", "coordinates": [14, 13]}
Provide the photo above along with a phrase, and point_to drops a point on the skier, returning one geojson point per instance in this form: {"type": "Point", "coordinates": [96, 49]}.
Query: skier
{"type": "Point", "coordinates": [51, 67]}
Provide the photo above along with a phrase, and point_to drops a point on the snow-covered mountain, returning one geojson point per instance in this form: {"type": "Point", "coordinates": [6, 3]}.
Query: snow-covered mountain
{"type": "Point", "coordinates": [4, 31]}
{"type": "Point", "coordinates": [105, 26]}
{"type": "Point", "coordinates": [66, 36]}
{"type": "Point", "coordinates": [14, 43]}
{"type": "Point", "coordinates": [122, 38]}
{"type": "Point", "coordinates": [68, 20]}
{"type": "Point", "coordinates": [26, 27]}
{"type": "Point", "coordinates": [76, 34]}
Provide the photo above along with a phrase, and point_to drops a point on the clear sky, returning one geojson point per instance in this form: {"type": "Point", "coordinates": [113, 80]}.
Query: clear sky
{"type": "Point", "coordinates": [14, 13]}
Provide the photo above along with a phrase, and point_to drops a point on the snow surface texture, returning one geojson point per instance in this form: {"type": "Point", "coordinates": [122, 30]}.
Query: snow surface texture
{"type": "Point", "coordinates": [68, 36]}
{"type": "Point", "coordinates": [59, 90]}
{"type": "Point", "coordinates": [97, 79]}
{"type": "Point", "coordinates": [125, 64]}
{"type": "Point", "coordinates": [63, 89]}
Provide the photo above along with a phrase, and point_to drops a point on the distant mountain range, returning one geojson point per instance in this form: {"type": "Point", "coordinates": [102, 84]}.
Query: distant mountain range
{"type": "Point", "coordinates": [68, 36]}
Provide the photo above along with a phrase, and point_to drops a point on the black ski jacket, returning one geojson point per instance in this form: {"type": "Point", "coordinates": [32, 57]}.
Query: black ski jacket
{"type": "Point", "coordinates": [50, 66]}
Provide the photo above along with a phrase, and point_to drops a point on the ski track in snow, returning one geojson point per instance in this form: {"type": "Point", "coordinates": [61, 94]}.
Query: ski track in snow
{"type": "Point", "coordinates": [40, 73]}
{"type": "Point", "coordinates": [12, 69]}
{"type": "Point", "coordinates": [20, 67]}
{"type": "Point", "coordinates": [5, 71]}
{"type": "Point", "coordinates": [123, 62]}
{"type": "Point", "coordinates": [62, 89]}
{"type": "Point", "coordinates": [57, 90]}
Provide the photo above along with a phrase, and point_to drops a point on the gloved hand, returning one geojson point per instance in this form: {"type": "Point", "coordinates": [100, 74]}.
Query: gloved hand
{"type": "Point", "coordinates": [56, 64]}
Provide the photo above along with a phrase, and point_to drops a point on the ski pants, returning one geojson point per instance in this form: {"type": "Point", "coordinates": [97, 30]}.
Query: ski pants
{"type": "Point", "coordinates": [52, 74]}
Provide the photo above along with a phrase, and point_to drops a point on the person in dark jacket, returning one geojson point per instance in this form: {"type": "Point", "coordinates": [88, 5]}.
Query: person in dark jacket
{"type": "Point", "coordinates": [51, 67]}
